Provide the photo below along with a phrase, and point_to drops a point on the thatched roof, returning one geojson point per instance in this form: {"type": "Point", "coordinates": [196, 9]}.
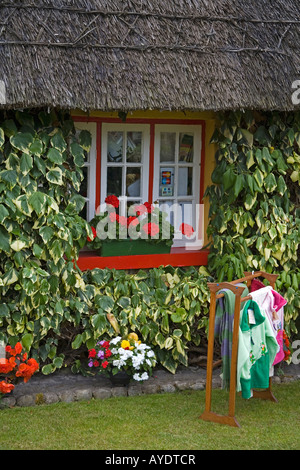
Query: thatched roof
{"type": "Point", "coordinates": [149, 54]}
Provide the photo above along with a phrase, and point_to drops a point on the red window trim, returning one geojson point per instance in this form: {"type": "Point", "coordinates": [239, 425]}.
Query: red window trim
{"type": "Point", "coordinates": [178, 256]}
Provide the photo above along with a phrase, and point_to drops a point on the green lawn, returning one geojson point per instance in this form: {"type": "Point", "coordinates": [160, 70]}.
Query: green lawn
{"type": "Point", "coordinates": [155, 422]}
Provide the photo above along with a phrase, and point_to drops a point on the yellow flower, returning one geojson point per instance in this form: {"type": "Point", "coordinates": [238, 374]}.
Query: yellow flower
{"type": "Point", "coordinates": [133, 336]}
{"type": "Point", "coordinates": [125, 344]}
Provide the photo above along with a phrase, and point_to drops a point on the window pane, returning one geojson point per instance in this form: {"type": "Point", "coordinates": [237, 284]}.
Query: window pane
{"type": "Point", "coordinates": [114, 181]}
{"type": "Point", "coordinates": [167, 146]}
{"type": "Point", "coordinates": [133, 182]}
{"type": "Point", "coordinates": [134, 147]}
{"type": "Point", "coordinates": [186, 147]}
{"type": "Point", "coordinates": [185, 181]}
{"type": "Point", "coordinates": [114, 146]}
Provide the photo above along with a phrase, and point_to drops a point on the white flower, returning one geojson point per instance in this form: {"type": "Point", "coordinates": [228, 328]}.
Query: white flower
{"type": "Point", "coordinates": [119, 363]}
{"type": "Point", "coordinates": [144, 376]}
{"type": "Point", "coordinates": [115, 340]}
{"type": "Point", "coordinates": [150, 353]}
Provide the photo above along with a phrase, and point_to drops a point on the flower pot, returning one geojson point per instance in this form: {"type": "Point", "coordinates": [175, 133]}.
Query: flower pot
{"type": "Point", "coordinates": [120, 379]}
{"type": "Point", "coordinates": [130, 247]}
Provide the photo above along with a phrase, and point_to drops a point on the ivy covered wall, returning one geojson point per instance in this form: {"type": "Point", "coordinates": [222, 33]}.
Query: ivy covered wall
{"type": "Point", "coordinates": [58, 312]}
{"type": "Point", "coordinates": [255, 201]}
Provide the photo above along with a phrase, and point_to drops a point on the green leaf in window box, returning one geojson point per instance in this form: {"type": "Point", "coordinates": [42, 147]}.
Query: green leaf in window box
{"type": "Point", "coordinates": [54, 176]}
{"type": "Point", "coordinates": [273, 233]}
{"type": "Point", "coordinates": [22, 141]}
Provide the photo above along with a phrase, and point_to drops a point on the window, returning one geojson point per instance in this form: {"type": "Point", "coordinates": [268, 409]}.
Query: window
{"type": "Point", "coordinates": [140, 162]}
{"type": "Point", "coordinates": [125, 162]}
{"type": "Point", "coordinates": [177, 175]}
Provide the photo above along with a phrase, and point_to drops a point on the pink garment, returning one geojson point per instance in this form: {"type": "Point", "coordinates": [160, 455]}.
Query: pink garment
{"type": "Point", "coordinates": [280, 355]}
{"type": "Point", "coordinates": [256, 284]}
{"type": "Point", "coordinates": [279, 301]}
{"type": "Point", "coordinates": [269, 301]}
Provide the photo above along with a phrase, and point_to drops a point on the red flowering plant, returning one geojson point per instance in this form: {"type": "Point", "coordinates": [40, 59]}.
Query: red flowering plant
{"type": "Point", "coordinates": [15, 366]}
{"type": "Point", "coordinates": [144, 221]}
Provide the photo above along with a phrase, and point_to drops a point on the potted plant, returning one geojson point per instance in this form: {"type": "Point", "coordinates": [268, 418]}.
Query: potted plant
{"type": "Point", "coordinates": [145, 230]}
{"type": "Point", "coordinates": [122, 359]}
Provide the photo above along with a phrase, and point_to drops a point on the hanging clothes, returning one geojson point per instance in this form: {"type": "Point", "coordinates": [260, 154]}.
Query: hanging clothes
{"type": "Point", "coordinates": [224, 329]}
{"type": "Point", "coordinates": [257, 349]}
{"type": "Point", "coordinates": [272, 303]}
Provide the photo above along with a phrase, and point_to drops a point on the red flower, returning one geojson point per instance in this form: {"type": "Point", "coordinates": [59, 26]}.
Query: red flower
{"type": "Point", "coordinates": [107, 353]}
{"type": "Point", "coordinates": [7, 365]}
{"type": "Point", "coordinates": [144, 208]}
{"type": "Point", "coordinates": [94, 233]}
{"type": "Point", "coordinates": [105, 345]}
{"type": "Point", "coordinates": [96, 363]}
{"type": "Point", "coordinates": [113, 201]}
{"type": "Point", "coordinates": [186, 229]}
{"type": "Point", "coordinates": [122, 220]}
{"type": "Point", "coordinates": [133, 221]}
{"type": "Point", "coordinates": [104, 364]}
{"type": "Point", "coordinates": [151, 229]}
{"type": "Point", "coordinates": [92, 352]}
{"type": "Point", "coordinates": [6, 387]}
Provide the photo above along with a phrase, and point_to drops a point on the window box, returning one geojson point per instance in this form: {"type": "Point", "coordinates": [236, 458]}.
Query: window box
{"type": "Point", "coordinates": [130, 247]}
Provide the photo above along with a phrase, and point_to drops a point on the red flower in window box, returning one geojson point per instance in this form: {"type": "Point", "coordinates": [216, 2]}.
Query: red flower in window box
{"type": "Point", "coordinates": [151, 229]}
{"type": "Point", "coordinates": [113, 201]}
{"type": "Point", "coordinates": [186, 229]}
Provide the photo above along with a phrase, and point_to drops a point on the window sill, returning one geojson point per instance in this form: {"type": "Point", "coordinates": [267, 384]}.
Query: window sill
{"type": "Point", "coordinates": [177, 257]}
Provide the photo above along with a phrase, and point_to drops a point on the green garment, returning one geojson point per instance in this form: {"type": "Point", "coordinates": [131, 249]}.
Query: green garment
{"type": "Point", "coordinates": [257, 349]}
{"type": "Point", "coordinates": [224, 329]}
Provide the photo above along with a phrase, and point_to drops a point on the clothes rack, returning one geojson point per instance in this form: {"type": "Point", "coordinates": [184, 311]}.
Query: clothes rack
{"type": "Point", "coordinates": [265, 394]}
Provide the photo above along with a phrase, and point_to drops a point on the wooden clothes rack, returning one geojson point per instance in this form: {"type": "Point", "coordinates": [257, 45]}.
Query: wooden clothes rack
{"type": "Point", "coordinates": [265, 394]}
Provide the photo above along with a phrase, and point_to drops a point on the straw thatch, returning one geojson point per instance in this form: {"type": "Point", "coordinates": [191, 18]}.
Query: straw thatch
{"type": "Point", "coordinates": [149, 54]}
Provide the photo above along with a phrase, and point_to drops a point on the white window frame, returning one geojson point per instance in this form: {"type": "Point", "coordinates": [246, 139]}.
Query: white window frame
{"type": "Point", "coordinates": [90, 163]}
{"type": "Point", "coordinates": [144, 164]}
{"type": "Point", "coordinates": [179, 239]}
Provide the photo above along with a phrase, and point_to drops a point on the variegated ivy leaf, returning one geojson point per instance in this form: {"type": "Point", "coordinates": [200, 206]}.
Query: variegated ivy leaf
{"type": "Point", "coordinates": [54, 176]}
{"type": "Point", "coordinates": [22, 141]}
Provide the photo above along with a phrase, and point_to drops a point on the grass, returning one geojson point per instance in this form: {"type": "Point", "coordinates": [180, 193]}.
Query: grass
{"type": "Point", "coordinates": [155, 422]}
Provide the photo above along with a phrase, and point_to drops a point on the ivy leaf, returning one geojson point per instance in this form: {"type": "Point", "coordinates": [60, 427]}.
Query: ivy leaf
{"type": "Point", "coordinates": [55, 156]}
{"type": "Point", "coordinates": [4, 240]}
{"type": "Point", "coordinates": [228, 179]}
{"type": "Point", "coordinates": [58, 142]}
{"type": "Point", "coordinates": [54, 176]}
{"type": "Point", "coordinates": [85, 139]}
{"type": "Point", "coordinates": [2, 137]}
{"type": "Point", "coordinates": [37, 201]}
{"type": "Point", "coordinates": [26, 163]}
{"type": "Point", "coordinates": [78, 153]}
{"type": "Point", "coordinates": [238, 185]}
{"type": "Point", "coordinates": [22, 141]}
{"type": "Point", "coordinates": [270, 183]}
